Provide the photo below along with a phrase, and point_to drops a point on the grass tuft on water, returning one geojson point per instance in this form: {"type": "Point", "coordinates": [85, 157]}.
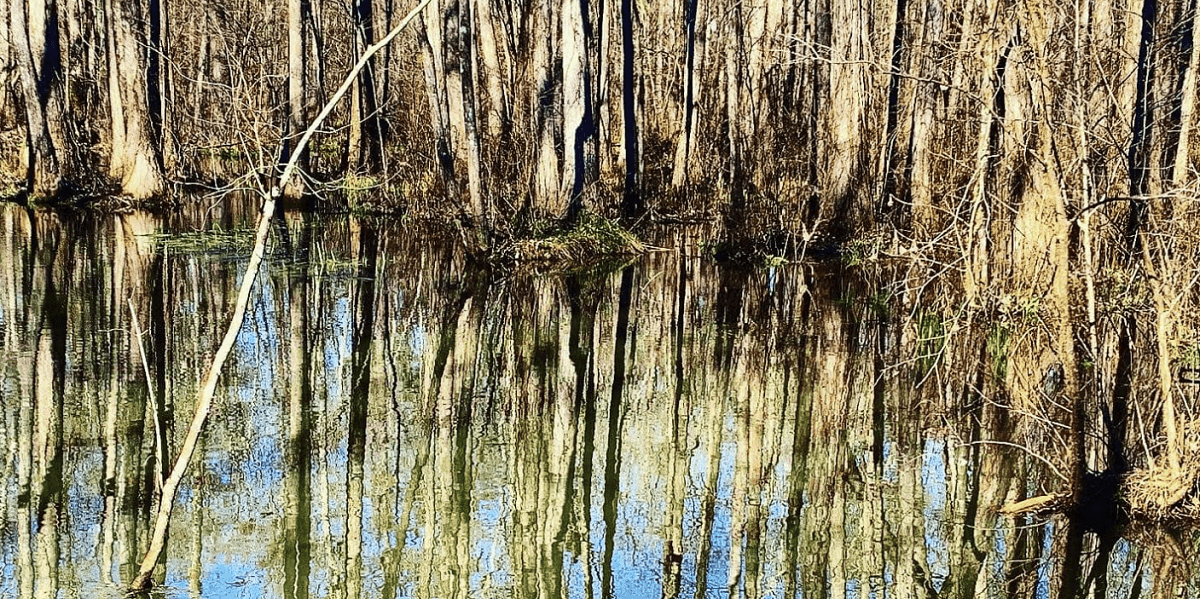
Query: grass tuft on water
{"type": "Point", "coordinates": [590, 238]}
{"type": "Point", "coordinates": [213, 241]}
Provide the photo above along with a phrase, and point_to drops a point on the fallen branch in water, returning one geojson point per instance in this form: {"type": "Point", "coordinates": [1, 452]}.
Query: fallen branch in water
{"type": "Point", "coordinates": [166, 502]}
{"type": "Point", "coordinates": [1041, 503]}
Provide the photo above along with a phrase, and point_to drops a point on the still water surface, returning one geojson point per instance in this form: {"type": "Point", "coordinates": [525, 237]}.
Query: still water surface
{"type": "Point", "coordinates": [395, 423]}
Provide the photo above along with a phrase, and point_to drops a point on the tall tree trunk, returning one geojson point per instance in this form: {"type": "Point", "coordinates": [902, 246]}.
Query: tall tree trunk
{"type": "Point", "coordinates": [845, 116]}
{"type": "Point", "coordinates": [466, 60]}
{"type": "Point", "coordinates": [135, 156]}
{"type": "Point", "coordinates": [895, 64]}
{"type": "Point", "coordinates": [1142, 142]}
{"type": "Point", "coordinates": [158, 77]}
{"type": "Point", "coordinates": [734, 82]}
{"type": "Point", "coordinates": [921, 150]}
{"type": "Point", "coordinates": [1187, 107]}
{"type": "Point", "coordinates": [365, 147]}
{"type": "Point", "coordinates": [683, 169]}
{"type": "Point", "coordinates": [545, 107]}
{"type": "Point", "coordinates": [459, 97]}
{"type": "Point", "coordinates": [977, 273]}
{"type": "Point", "coordinates": [495, 115]}
{"type": "Point", "coordinates": [6, 51]}
{"type": "Point", "coordinates": [632, 202]}
{"type": "Point", "coordinates": [297, 66]}
{"type": "Point", "coordinates": [600, 84]}
{"type": "Point", "coordinates": [432, 62]}
{"type": "Point", "coordinates": [34, 32]}
{"type": "Point", "coordinates": [578, 120]}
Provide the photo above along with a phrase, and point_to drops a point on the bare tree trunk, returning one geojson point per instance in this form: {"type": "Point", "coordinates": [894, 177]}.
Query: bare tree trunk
{"type": "Point", "coordinates": [683, 168]}
{"type": "Point", "coordinates": [430, 36]}
{"type": "Point", "coordinates": [459, 97]}
{"type": "Point", "coordinates": [297, 67]}
{"type": "Point", "coordinates": [495, 115]}
{"type": "Point", "coordinates": [632, 202]}
{"type": "Point", "coordinates": [365, 148]}
{"type": "Point", "coordinates": [466, 64]}
{"type": "Point", "coordinates": [845, 116]}
{"type": "Point", "coordinates": [578, 128]}
{"type": "Point", "coordinates": [921, 150]}
{"type": "Point", "coordinates": [545, 107]}
{"type": "Point", "coordinates": [601, 108]}
{"type": "Point", "coordinates": [41, 158]}
{"type": "Point", "coordinates": [1140, 145]}
{"type": "Point", "coordinates": [753, 47]}
{"type": "Point", "coordinates": [1187, 106]}
{"type": "Point", "coordinates": [1164, 332]}
{"type": "Point", "coordinates": [158, 79]}
{"type": "Point", "coordinates": [994, 57]}
{"type": "Point", "coordinates": [135, 159]}
{"type": "Point", "coordinates": [897, 46]}
{"type": "Point", "coordinates": [734, 82]}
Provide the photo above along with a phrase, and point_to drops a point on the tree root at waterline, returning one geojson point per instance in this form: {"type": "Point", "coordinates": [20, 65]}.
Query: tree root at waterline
{"type": "Point", "coordinates": [1164, 493]}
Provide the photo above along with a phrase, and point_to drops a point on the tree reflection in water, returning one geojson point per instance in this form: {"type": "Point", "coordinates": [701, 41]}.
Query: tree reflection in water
{"type": "Point", "coordinates": [399, 424]}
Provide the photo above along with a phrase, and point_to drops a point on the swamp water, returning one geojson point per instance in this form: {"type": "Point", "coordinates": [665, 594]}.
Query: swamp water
{"type": "Point", "coordinates": [394, 423]}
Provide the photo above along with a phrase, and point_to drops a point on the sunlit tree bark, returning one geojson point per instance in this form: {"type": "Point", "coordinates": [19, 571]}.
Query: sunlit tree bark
{"type": "Point", "coordinates": [845, 116]}
{"type": "Point", "coordinates": [490, 71]}
{"type": "Point", "coordinates": [577, 120]}
{"type": "Point", "coordinates": [460, 55]}
{"type": "Point", "coordinates": [1187, 103]}
{"type": "Point", "coordinates": [135, 158]}
{"type": "Point", "coordinates": [33, 29]}
{"type": "Point", "coordinates": [297, 118]}
{"type": "Point", "coordinates": [684, 168]}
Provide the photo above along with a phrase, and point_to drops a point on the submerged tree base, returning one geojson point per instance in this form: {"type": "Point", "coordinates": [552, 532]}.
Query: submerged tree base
{"type": "Point", "coordinates": [1154, 493]}
{"type": "Point", "coordinates": [1162, 493]}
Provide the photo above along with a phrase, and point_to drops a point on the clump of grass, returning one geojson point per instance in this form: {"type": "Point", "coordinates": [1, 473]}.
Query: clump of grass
{"type": "Point", "coordinates": [589, 238]}
{"type": "Point", "coordinates": [362, 193]}
{"type": "Point", "coordinates": [213, 241]}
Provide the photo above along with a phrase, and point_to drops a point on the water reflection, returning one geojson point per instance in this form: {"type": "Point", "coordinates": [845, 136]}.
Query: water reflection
{"type": "Point", "coordinates": [398, 424]}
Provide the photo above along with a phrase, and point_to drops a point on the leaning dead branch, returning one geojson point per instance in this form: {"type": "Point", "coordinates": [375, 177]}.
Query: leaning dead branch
{"type": "Point", "coordinates": [170, 486]}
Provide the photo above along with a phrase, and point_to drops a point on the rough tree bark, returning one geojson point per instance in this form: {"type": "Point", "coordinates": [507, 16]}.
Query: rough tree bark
{"type": "Point", "coordinates": [490, 73]}
{"type": "Point", "coordinates": [6, 50]}
{"type": "Point", "coordinates": [844, 118]}
{"type": "Point", "coordinates": [734, 83]}
{"type": "Point", "coordinates": [297, 67]}
{"type": "Point", "coordinates": [135, 159]}
{"type": "Point", "coordinates": [683, 168]}
{"type": "Point", "coordinates": [466, 52]}
{"type": "Point", "coordinates": [432, 61]}
{"type": "Point", "coordinates": [576, 105]}
{"type": "Point", "coordinates": [34, 32]}
{"type": "Point", "coordinates": [632, 202]}
{"type": "Point", "coordinates": [545, 108]}
{"type": "Point", "coordinates": [1187, 104]}
{"type": "Point", "coordinates": [364, 150]}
